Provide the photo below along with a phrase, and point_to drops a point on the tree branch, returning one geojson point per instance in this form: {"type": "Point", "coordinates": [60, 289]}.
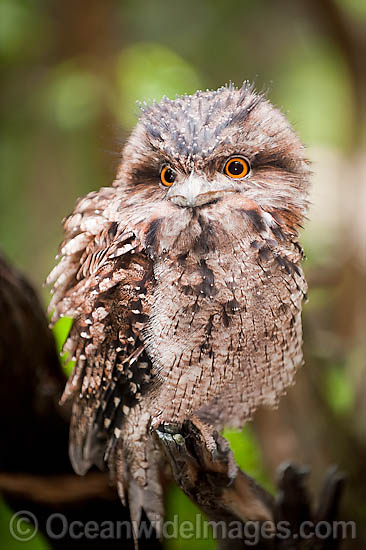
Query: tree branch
{"type": "Point", "coordinates": [204, 468]}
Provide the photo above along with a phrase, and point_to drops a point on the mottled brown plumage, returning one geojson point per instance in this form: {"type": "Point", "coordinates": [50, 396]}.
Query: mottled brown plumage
{"type": "Point", "coordinates": [187, 299]}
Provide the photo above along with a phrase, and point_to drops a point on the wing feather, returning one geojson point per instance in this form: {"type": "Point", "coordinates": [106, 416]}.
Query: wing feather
{"type": "Point", "coordinates": [103, 281]}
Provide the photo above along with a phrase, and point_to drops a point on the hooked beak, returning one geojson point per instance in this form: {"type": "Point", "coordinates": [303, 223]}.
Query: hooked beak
{"type": "Point", "coordinates": [195, 191]}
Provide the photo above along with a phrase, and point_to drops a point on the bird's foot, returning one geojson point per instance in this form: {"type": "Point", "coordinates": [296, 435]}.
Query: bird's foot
{"type": "Point", "coordinates": [204, 468]}
{"type": "Point", "coordinates": [197, 455]}
{"type": "Point", "coordinates": [169, 434]}
{"type": "Point", "coordinates": [196, 442]}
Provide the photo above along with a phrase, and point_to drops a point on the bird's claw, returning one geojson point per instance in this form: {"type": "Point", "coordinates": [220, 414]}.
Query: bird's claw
{"type": "Point", "coordinates": [169, 433]}
{"type": "Point", "coordinates": [194, 444]}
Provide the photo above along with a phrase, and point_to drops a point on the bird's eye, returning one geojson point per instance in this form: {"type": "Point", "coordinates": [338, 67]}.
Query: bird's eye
{"type": "Point", "coordinates": [167, 176]}
{"type": "Point", "coordinates": [237, 167]}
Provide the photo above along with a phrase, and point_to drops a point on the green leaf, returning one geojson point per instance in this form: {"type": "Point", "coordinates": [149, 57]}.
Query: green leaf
{"type": "Point", "coordinates": [247, 454]}
{"type": "Point", "coordinates": [61, 331]}
{"type": "Point", "coordinates": [338, 389]}
{"type": "Point", "coordinates": [10, 532]}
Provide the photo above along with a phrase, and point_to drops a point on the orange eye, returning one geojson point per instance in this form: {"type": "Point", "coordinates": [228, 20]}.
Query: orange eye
{"type": "Point", "coordinates": [167, 176]}
{"type": "Point", "coordinates": [237, 167]}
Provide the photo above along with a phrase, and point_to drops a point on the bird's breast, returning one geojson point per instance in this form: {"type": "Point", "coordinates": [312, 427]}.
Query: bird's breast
{"type": "Point", "coordinates": [218, 319]}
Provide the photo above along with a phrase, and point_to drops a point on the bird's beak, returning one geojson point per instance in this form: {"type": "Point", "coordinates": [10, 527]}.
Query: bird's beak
{"type": "Point", "coordinates": [194, 191]}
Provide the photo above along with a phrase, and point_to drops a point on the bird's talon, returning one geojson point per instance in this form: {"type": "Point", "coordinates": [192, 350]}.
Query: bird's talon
{"type": "Point", "coordinates": [179, 439]}
{"type": "Point", "coordinates": [169, 433]}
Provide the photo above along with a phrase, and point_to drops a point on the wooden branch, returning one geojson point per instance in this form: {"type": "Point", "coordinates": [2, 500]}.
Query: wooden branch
{"type": "Point", "coordinates": [204, 468]}
{"type": "Point", "coordinates": [56, 490]}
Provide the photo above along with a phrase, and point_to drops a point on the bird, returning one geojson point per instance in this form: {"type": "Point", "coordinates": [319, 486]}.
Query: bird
{"type": "Point", "coordinates": [184, 282]}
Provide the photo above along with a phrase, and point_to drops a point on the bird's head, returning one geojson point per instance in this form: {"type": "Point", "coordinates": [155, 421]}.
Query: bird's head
{"type": "Point", "coordinates": [205, 159]}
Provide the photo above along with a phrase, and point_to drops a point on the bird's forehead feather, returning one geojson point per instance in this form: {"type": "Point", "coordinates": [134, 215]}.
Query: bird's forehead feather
{"type": "Point", "coordinates": [196, 125]}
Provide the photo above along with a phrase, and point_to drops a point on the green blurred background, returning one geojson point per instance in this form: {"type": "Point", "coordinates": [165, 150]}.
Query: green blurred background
{"type": "Point", "coordinates": [71, 73]}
